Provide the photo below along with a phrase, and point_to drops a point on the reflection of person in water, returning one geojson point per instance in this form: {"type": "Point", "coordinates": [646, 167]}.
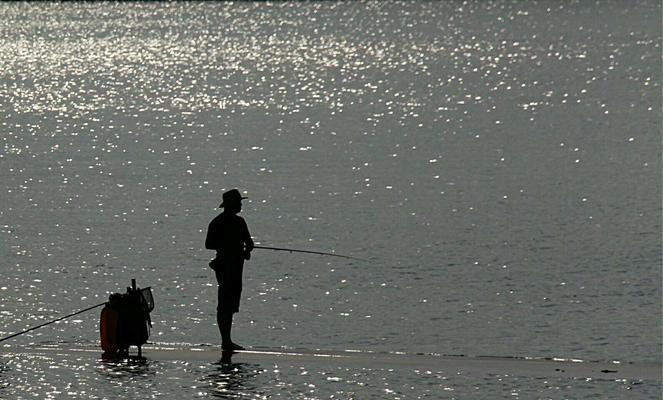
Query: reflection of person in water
{"type": "Point", "coordinates": [229, 235]}
{"type": "Point", "coordinates": [230, 380]}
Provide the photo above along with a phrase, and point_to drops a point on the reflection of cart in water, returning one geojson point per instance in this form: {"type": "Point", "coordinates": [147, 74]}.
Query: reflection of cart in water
{"type": "Point", "coordinates": [125, 321]}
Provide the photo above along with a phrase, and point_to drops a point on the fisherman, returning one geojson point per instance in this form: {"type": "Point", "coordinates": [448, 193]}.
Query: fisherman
{"type": "Point", "coordinates": [229, 235]}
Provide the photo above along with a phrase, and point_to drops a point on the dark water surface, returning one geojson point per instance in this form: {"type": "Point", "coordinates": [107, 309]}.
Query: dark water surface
{"type": "Point", "coordinates": [499, 162]}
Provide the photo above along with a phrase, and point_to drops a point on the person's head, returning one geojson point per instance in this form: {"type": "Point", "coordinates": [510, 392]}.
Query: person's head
{"type": "Point", "coordinates": [232, 201]}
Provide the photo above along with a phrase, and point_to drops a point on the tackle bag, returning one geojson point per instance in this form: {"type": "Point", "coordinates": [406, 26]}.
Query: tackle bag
{"type": "Point", "coordinates": [125, 320]}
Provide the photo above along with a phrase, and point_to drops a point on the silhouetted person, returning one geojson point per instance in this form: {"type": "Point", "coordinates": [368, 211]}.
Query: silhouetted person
{"type": "Point", "coordinates": [230, 237]}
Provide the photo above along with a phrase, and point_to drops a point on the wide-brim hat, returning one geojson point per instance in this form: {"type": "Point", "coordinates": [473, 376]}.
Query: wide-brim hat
{"type": "Point", "coordinates": [232, 196]}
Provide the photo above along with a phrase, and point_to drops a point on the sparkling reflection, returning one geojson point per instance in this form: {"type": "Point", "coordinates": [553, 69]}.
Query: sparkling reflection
{"type": "Point", "coordinates": [138, 367]}
{"type": "Point", "coordinates": [234, 380]}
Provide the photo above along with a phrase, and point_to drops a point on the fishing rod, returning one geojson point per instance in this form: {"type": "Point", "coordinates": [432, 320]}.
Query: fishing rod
{"type": "Point", "coordinates": [52, 322]}
{"type": "Point", "coordinates": [321, 253]}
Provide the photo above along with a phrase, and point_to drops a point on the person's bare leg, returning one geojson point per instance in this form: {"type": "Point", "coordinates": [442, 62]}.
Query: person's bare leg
{"type": "Point", "coordinates": [225, 321]}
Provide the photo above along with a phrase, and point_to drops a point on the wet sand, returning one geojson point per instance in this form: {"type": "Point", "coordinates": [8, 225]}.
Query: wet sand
{"type": "Point", "coordinates": [448, 364]}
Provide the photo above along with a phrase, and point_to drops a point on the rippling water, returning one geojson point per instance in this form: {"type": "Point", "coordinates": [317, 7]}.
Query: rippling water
{"type": "Point", "coordinates": [498, 161]}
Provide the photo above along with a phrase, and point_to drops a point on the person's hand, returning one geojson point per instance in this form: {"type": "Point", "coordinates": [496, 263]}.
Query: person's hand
{"type": "Point", "coordinates": [247, 255]}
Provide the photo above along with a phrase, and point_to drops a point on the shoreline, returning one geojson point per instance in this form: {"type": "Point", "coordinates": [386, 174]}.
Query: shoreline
{"type": "Point", "coordinates": [448, 364]}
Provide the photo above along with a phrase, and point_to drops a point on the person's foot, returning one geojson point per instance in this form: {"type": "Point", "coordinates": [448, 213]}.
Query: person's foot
{"type": "Point", "coordinates": [231, 347]}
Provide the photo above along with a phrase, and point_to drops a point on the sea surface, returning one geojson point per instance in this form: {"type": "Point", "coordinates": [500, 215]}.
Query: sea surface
{"type": "Point", "coordinates": [498, 164]}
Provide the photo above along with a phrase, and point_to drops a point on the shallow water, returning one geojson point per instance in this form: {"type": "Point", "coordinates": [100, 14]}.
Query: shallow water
{"type": "Point", "coordinates": [298, 377]}
{"type": "Point", "coordinates": [499, 162]}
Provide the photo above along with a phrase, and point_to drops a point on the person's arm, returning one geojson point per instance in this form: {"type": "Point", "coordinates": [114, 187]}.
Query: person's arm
{"type": "Point", "coordinates": [248, 242]}
{"type": "Point", "coordinates": [248, 245]}
{"type": "Point", "coordinates": [209, 240]}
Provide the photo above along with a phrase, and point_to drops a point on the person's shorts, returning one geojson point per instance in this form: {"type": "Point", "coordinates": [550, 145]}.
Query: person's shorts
{"type": "Point", "coordinates": [229, 299]}
{"type": "Point", "coordinates": [230, 291]}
